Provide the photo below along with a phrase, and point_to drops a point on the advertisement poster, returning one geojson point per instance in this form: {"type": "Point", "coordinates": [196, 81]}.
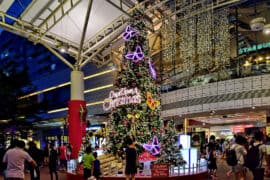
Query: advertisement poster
{"type": "Point", "coordinates": [197, 138]}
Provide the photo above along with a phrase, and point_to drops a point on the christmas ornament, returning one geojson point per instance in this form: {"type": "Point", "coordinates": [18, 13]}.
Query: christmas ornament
{"type": "Point", "coordinates": [135, 56]}
{"type": "Point", "coordinates": [152, 70]}
{"type": "Point", "coordinates": [137, 116]}
{"type": "Point", "coordinates": [83, 113]}
{"type": "Point", "coordinates": [154, 147]}
{"type": "Point", "coordinates": [129, 33]}
{"type": "Point", "coordinates": [151, 102]}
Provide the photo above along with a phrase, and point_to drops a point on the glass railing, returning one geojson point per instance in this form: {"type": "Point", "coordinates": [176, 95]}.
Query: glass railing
{"type": "Point", "coordinates": [239, 70]}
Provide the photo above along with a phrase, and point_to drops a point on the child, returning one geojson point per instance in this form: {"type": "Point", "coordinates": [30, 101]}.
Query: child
{"type": "Point", "coordinates": [96, 167]}
{"type": "Point", "coordinates": [87, 161]}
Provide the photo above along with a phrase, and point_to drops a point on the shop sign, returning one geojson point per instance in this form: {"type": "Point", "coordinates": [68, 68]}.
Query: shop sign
{"type": "Point", "coordinates": [240, 128]}
{"type": "Point", "coordinates": [122, 97]}
{"type": "Point", "coordinates": [160, 170]}
{"type": "Point", "coordinates": [254, 48]}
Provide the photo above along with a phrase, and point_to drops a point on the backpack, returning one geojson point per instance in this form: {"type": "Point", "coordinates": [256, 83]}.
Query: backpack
{"type": "Point", "coordinates": [252, 159]}
{"type": "Point", "coordinates": [231, 157]}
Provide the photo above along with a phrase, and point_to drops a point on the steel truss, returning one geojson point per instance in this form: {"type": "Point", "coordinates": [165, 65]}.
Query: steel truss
{"type": "Point", "coordinates": [97, 48]}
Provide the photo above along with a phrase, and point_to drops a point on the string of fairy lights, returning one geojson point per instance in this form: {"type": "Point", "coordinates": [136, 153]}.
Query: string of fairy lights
{"type": "Point", "coordinates": [168, 32]}
{"type": "Point", "coordinates": [204, 25]}
{"type": "Point", "coordinates": [204, 40]}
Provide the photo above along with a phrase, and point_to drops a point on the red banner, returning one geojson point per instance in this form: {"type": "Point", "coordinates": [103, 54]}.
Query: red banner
{"type": "Point", "coordinates": [76, 124]}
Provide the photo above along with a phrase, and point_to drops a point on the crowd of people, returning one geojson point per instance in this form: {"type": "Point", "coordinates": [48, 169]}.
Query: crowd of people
{"type": "Point", "coordinates": [17, 159]}
{"type": "Point", "coordinates": [244, 154]}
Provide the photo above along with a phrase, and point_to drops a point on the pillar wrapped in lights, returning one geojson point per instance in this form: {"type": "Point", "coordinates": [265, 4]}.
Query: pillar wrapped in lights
{"type": "Point", "coordinates": [76, 113]}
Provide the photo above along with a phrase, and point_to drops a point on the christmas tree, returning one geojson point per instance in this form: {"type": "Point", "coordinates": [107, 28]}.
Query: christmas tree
{"type": "Point", "coordinates": [134, 104]}
{"type": "Point", "coordinates": [170, 153]}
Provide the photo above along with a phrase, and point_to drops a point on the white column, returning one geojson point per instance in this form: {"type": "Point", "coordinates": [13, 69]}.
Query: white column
{"type": "Point", "coordinates": [77, 85]}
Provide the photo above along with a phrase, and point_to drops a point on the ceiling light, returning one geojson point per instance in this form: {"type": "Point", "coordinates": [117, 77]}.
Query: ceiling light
{"type": "Point", "coordinates": [247, 63]}
{"type": "Point", "coordinates": [64, 49]}
{"type": "Point", "coordinates": [257, 24]}
{"type": "Point", "coordinates": [259, 58]}
{"type": "Point", "coordinates": [266, 29]}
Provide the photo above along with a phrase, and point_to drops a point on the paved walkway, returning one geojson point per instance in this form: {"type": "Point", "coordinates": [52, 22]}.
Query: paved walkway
{"type": "Point", "coordinates": [223, 168]}
{"type": "Point", "coordinates": [45, 175]}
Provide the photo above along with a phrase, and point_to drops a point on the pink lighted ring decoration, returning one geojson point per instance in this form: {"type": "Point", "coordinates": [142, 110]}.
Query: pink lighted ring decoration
{"type": "Point", "coordinates": [135, 56]}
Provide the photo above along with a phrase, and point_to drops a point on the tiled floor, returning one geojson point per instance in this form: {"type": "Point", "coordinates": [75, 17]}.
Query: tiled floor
{"type": "Point", "coordinates": [221, 173]}
{"type": "Point", "coordinates": [223, 168]}
{"type": "Point", "coordinates": [45, 175]}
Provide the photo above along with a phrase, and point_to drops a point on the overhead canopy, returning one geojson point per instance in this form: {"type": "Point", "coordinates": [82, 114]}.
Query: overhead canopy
{"type": "Point", "coordinates": [61, 23]}
{"type": "Point", "coordinates": [70, 17]}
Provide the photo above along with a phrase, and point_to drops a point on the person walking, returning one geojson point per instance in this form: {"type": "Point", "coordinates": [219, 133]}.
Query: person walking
{"type": "Point", "coordinates": [211, 156]}
{"type": "Point", "coordinates": [96, 167]}
{"type": "Point", "coordinates": [46, 154]}
{"type": "Point", "coordinates": [258, 171]}
{"type": "Point", "coordinates": [131, 159]}
{"type": "Point", "coordinates": [53, 161]}
{"type": "Point", "coordinates": [87, 161]}
{"type": "Point", "coordinates": [15, 159]}
{"type": "Point", "coordinates": [2, 165]}
{"type": "Point", "coordinates": [37, 155]}
{"type": "Point", "coordinates": [239, 170]}
{"type": "Point", "coordinates": [69, 151]}
{"type": "Point", "coordinates": [63, 157]}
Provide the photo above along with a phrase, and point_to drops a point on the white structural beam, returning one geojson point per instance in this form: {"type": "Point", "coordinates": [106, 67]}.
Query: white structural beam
{"type": "Point", "coordinates": [62, 10]}
{"type": "Point", "coordinates": [103, 39]}
{"type": "Point", "coordinates": [5, 5]}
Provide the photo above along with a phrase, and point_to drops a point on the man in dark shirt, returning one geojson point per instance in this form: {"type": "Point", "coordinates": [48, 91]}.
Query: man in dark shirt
{"type": "Point", "coordinates": [131, 159]}
{"type": "Point", "coordinates": [53, 161]}
{"type": "Point", "coordinates": [211, 156]}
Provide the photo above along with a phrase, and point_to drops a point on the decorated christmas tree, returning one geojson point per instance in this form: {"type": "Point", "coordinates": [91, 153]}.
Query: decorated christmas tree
{"type": "Point", "coordinates": [170, 153]}
{"type": "Point", "coordinates": [134, 103]}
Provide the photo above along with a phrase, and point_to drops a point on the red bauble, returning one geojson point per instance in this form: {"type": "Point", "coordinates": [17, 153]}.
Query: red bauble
{"type": "Point", "coordinates": [138, 74]}
{"type": "Point", "coordinates": [138, 62]}
{"type": "Point", "coordinates": [134, 84]}
{"type": "Point", "coordinates": [125, 122]}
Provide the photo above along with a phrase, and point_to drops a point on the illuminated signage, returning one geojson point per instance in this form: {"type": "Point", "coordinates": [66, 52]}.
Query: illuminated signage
{"type": "Point", "coordinates": [240, 128]}
{"type": "Point", "coordinates": [254, 48]}
{"type": "Point", "coordinates": [122, 97]}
